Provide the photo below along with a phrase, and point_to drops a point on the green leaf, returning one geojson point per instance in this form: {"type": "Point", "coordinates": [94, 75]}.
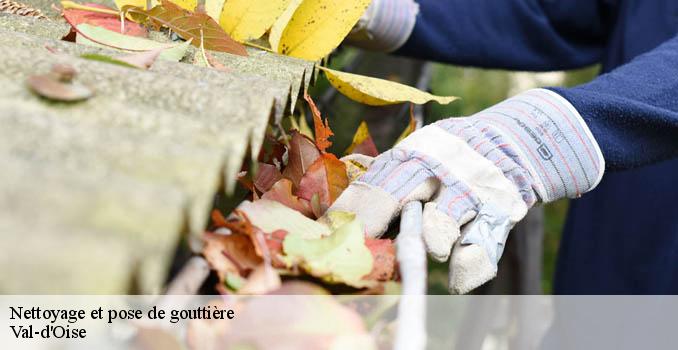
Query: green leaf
{"type": "Point", "coordinates": [107, 59]}
{"type": "Point", "coordinates": [99, 37]}
{"type": "Point", "coordinates": [341, 257]}
{"type": "Point", "coordinates": [271, 216]}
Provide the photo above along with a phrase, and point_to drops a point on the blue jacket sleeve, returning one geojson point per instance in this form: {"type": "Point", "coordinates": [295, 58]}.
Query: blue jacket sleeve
{"type": "Point", "coordinates": [633, 110]}
{"type": "Point", "coordinates": [534, 35]}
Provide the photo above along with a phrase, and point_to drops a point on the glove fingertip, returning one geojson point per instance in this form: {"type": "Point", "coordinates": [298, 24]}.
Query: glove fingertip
{"type": "Point", "coordinates": [439, 232]}
{"type": "Point", "coordinates": [470, 267]}
{"type": "Point", "coordinates": [373, 206]}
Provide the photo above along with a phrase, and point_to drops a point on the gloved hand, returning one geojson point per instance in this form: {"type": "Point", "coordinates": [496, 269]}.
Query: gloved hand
{"type": "Point", "coordinates": [478, 176]}
{"type": "Point", "coordinates": [385, 26]}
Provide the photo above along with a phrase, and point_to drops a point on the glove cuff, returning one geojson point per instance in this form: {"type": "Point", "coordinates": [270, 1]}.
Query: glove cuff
{"type": "Point", "coordinates": [385, 26]}
{"type": "Point", "coordinates": [544, 134]}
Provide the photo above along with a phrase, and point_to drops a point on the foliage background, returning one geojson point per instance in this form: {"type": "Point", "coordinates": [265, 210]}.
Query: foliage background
{"type": "Point", "coordinates": [478, 89]}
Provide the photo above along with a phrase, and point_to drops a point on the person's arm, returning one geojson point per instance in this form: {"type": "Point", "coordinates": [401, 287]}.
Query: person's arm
{"type": "Point", "coordinates": [531, 35]}
{"type": "Point", "coordinates": [632, 111]}
{"type": "Point", "coordinates": [478, 175]}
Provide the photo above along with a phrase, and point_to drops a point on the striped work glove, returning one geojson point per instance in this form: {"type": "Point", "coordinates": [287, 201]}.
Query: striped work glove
{"type": "Point", "coordinates": [385, 26]}
{"type": "Point", "coordinates": [478, 176]}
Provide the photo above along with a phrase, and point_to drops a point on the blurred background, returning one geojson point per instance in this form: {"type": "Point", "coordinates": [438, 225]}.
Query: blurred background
{"type": "Point", "coordinates": [477, 89]}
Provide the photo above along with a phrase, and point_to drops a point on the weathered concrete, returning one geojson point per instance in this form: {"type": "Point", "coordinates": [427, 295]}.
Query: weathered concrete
{"type": "Point", "coordinates": [95, 195]}
{"type": "Point", "coordinates": [298, 73]}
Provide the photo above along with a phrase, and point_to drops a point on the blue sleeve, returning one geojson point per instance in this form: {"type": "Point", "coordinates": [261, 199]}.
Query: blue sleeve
{"type": "Point", "coordinates": [633, 110]}
{"type": "Point", "coordinates": [534, 35]}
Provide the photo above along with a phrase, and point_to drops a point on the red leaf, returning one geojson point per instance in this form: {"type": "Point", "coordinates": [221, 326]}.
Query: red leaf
{"type": "Point", "coordinates": [267, 176]}
{"type": "Point", "coordinates": [327, 178]}
{"type": "Point", "coordinates": [383, 252]}
{"type": "Point", "coordinates": [274, 242]}
{"type": "Point", "coordinates": [367, 148]}
{"type": "Point", "coordinates": [302, 154]}
{"type": "Point", "coordinates": [362, 142]}
{"type": "Point", "coordinates": [322, 131]}
{"type": "Point", "coordinates": [281, 192]}
{"type": "Point", "coordinates": [107, 21]}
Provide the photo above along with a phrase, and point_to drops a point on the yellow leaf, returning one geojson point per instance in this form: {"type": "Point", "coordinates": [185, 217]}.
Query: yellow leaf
{"type": "Point", "coordinates": [213, 8]}
{"type": "Point", "coordinates": [139, 3]}
{"type": "Point", "coordinates": [362, 142]}
{"type": "Point", "coordinates": [186, 4]}
{"type": "Point", "coordinates": [379, 92]}
{"type": "Point", "coordinates": [250, 19]}
{"type": "Point", "coordinates": [280, 24]}
{"type": "Point", "coordinates": [318, 26]}
{"type": "Point", "coordinates": [304, 129]}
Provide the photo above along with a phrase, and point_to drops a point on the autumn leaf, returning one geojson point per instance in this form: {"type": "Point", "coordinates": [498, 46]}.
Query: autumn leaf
{"type": "Point", "coordinates": [110, 21]}
{"type": "Point", "coordinates": [271, 216]}
{"type": "Point", "coordinates": [322, 130]}
{"type": "Point", "coordinates": [262, 280]}
{"type": "Point", "coordinates": [196, 26]}
{"type": "Point", "coordinates": [267, 175]}
{"type": "Point", "coordinates": [141, 60]}
{"type": "Point", "coordinates": [232, 254]}
{"type": "Point", "coordinates": [362, 142]}
{"type": "Point", "coordinates": [100, 37]}
{"type": "Point", "coordinates": [411, 127]}
{"type": "Point", "coordinates": [281, 192]}
{"type": "Point", "coordinates": [341, 257]}
{"type": "Point", "coordinates": [274, 243]}
{"type": "Point", "coordinates": [379, 92]}
{"type": "Point", "coordinates": [279, 25]}
{"type": "Point", "coordinates": [327, 178]}
{"type": "Point", "coordinates": [318, 27]}
{"type": "Point", "coordinates": [384, 255]}
{"type": "Point", "coordinates": [213, 8]}
{"type": "Point", "coordinates": [302, 153]}
{"type": "Point", "coordinates": [250, 19]}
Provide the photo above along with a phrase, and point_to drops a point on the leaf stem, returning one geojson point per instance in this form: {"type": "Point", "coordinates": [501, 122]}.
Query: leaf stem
{"type": "Point", "coordinates": [75, 6]}
{"type": "Point", "coordinates": [247, 43]}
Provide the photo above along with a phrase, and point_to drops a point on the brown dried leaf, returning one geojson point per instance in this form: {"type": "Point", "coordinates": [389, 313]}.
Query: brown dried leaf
{"type": "Point", "coordinates": [189, 25]}
{"type": "Point", "coordinates": [302, 153]}
{"type": "Point", "coordinates": [59, 87]}
{"type": "Point", "coordinates": [281, 192]}
{"type": "Point", "coordinates": [232, 254]}
{"type": "Point", "coordinates": [325, 177]}
{"type": "Point", "coordinates": [267, 176]}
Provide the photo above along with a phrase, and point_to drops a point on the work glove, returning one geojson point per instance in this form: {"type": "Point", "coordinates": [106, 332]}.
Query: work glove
{"type": "Point", "coordinates": [478, 176]}
{"type": "Point", "coordinates": [385, 26]}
